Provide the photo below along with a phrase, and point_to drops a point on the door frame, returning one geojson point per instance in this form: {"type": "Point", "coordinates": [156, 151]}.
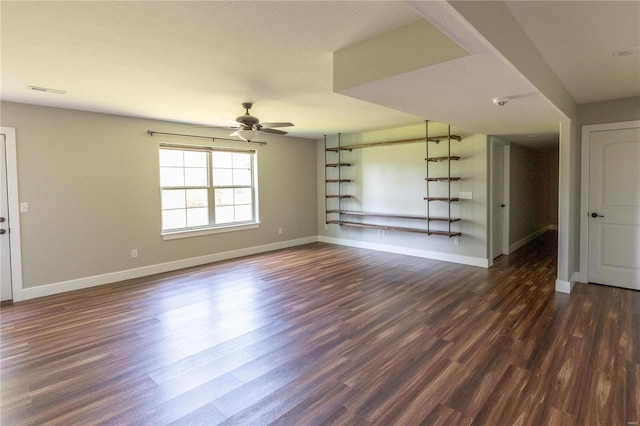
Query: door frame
{"type": "Point", "coordinates": [505, 190]}
{"type": "Point", "coordinates": [14, 211]}
{"type": "Point", "coordinates": [583, 275]}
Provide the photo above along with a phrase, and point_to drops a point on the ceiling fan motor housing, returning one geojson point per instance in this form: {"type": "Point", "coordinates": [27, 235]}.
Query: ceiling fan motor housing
{"type": "Point", "coordinates": [247, 120]}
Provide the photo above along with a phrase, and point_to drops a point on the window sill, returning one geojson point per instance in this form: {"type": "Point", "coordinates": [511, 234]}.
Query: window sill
{"type": "Point", "coordinates": [174, 235]}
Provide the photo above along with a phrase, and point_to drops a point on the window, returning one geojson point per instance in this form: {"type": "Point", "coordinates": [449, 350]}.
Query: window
{"type": "Point", "coordinates": [206, 189]}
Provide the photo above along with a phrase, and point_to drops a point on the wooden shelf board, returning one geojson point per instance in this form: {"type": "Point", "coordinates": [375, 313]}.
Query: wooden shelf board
{"type": "Point", "coordinates": [444, 219]}
{"type": "Point", "coordinates": [436, 159]}
{"type": "Point", "coordinates": [403, 141]}
{"type": "Point", "coordinates": [339, 196]}
{"type": "Point", "coordinates": [387, 215]}
{"type": "Point", "coordinates": [442, 179]}
{"type": "Point", "coordinates": [392, 228]}
{"type": "Point", "coordinates": [393, 216]}
{"type": "Point", "coordinates": [444, 138]}
{"type": "Point", "coordinates": [337, 180]}
{"type": "Point", "coordinates": [338, 164]}
{"type": "Point", "coordinates": [441, 199]}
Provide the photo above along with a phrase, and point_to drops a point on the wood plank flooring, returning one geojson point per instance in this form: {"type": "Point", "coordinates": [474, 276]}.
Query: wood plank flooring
{"type": "Point", "coordinates": [323, 334]}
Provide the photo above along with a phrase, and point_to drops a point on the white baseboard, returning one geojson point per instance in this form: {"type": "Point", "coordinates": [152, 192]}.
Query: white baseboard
{"type": "Point", "coordinates": [566, 286]}
{"type": "Point", "coordinates": [465, 260]}
{"type": "Point", "coordinates": [96, 280]}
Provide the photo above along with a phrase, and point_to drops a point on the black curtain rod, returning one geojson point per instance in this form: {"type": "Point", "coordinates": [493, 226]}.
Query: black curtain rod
{"type": "Point", "coordinates": [213, 139]}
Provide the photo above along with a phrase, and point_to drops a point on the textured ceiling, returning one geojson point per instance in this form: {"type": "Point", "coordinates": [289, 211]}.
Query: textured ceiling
{"type": "Point", "coordinates": [578, 40]}
{"type": "Point", "coordinates": [196, 62]}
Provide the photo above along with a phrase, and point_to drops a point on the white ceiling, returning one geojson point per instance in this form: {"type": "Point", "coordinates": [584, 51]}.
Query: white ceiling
{"type": "Point", "coordinates": [578, 39]}
{"type": "Point", "coordinates": [196, 62]}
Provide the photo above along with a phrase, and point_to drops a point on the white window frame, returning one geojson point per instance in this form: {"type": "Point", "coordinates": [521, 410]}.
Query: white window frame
{"type": "Point", "coordinates": [172, 234]}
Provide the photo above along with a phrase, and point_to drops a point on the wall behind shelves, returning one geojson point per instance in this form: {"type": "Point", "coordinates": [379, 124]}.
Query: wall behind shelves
{"type": "Point", "coordinates": [391, 179]}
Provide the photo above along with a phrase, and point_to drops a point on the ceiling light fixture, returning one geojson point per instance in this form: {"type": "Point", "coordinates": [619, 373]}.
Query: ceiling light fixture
{"type": "Point", "coordinates": [47, 90]}
{"type": "Point", "coordinates": [245, 135]}
{"type": "Point", "coordinates": [629, 51]}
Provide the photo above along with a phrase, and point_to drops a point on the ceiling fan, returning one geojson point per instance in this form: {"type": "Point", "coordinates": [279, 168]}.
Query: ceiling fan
{"type": "Point", "coordinates": [250, 126]}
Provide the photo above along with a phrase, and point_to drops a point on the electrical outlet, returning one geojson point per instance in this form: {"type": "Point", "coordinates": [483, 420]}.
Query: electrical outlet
{"type": "Point", "coordinates": [326, 226]}
{"type": "Point", "coordinates": [134, 253]}
{"type": "Point", "coordinates": [280, 231]}
{"type": "Point", "coordinates": [456, 241]}
{"type": "Point", "coordinates": [465, 195]}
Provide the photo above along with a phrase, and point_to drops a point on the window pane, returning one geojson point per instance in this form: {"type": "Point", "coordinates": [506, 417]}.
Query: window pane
{"type": "Point", "coordinates": [174, 219]}
{"type": "Point", "coordinates": [197, 198]}
{"type": "Point", "coordinates": [171, 157]}
{"type": "Point", "coordinates": [195, 177]}
{"type": "Point", "coordinates": [222, 177]}
{"type": "Point", "coordinates": [198, 217]}
{"type": "Point", "coordinates": [173, 199]}
{"type": "Point", "coordinates": [195, 159]}
{"type": "Point", "coordinates": [224, 197]}
{"type": "Point", "coordinates": [243, 213]}
{"type": "Point", "coordinates": [241, 177]}
{"type": "Point", "coordinates": [222, 159]}
{"type": "Point", "coordinates": [242, 195]}
{"type": "Point", "coordinates": [187, 177]}
{"type": "Point", "coordinates": [241, 161]}
{"type": "Point", "coordinates": [171, 176]}
{"type": "Point", "coordinates": [224, 214]}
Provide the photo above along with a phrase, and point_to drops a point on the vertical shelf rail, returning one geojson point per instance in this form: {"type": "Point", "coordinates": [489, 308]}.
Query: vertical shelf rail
{"type": "Point", "coordinates": [326, 183]}
{"type": "Point", "coordinates": [340, 175]}
{"type": "Point", "coordinates": [426, 144]}
{"type": "Point", "coordinates": [449, 172]}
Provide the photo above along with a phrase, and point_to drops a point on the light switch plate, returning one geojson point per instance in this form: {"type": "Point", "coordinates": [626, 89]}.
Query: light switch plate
{"type": "Point", "coordinates": [24, 207]}
{"type": "Point", "coordinates": [466, 195]}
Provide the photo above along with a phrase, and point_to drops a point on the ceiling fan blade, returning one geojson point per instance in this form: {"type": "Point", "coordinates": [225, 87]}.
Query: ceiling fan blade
{"type": "Point", "coordinates": [269, 125]}
{"type": "Point", "coordinates": [273, 131]}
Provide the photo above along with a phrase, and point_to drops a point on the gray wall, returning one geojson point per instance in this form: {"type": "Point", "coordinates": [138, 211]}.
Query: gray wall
{"type": "Point", "coordinates": [613, 111]}
{"type": "Point", "coordinates": [92, 184]}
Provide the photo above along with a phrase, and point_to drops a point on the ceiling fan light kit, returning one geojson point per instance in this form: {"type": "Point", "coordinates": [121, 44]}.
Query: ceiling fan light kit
{"type": "Point", "coordinates": [245, 135]}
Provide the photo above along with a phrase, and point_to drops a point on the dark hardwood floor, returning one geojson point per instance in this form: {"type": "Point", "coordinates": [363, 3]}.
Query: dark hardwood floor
{"type": "Point", "coordinates": [324, 334]}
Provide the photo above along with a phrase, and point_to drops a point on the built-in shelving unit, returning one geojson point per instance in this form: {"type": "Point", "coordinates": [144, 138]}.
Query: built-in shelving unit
{"type": "Point", "coordinates": [334, 189]}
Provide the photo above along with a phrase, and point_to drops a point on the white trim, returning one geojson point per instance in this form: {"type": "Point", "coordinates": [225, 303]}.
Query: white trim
{"type": "Point", "coordinates": [14, 211]}
{"type": "Point", "coordinates": [96, 280]}
{"type": "Point", "coordinates": [174, 235]}
{"type": "Point", "coordinates": [583, 274]}
{"type": "Point", "coordinates": [507, 199]}
{"type": "Point", "coordinates": [565, 286]}
{"type": "Point", "coordinates": [505, 195]}
{"type": "Point", "coordinates": [446, 257]}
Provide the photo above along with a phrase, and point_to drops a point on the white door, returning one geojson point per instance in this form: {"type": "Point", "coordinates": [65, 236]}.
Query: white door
{"type": "Point", "coordinates": [5, 247]}
{"type": "Point", "coordinates": [498, 200]}
{"type": "Point", "coordinates": [614, 207]}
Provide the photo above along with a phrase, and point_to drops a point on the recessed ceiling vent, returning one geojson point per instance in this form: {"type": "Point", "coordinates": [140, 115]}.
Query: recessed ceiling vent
{"type": "Point", "coordinates": [47, 90]}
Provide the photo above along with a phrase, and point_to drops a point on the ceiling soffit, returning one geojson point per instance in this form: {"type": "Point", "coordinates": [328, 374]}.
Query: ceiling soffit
{"type": "Point", "coordinates": [412, 47]}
